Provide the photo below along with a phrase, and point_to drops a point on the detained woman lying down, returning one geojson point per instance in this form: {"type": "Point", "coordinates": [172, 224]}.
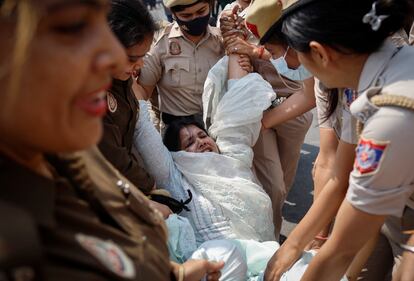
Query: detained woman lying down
{"type": "Point", "coordinates": [214, 164]}
{"type": "Point", "coordinates": [230, 216]}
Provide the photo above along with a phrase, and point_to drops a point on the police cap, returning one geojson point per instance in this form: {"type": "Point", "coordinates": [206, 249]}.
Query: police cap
{"type": "Point", "coordinates": [171, 3]}
{"type": "Point", "coordinates": [264, 16]}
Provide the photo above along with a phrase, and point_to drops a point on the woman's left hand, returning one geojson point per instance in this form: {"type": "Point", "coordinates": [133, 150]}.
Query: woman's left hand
{"type": "Point", "coordinates": [237, 45]}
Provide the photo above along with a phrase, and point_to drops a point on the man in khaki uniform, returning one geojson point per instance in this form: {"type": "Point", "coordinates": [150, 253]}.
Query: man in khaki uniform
{"type": "Point", "coordinates": [277, 151]}
{"type": "Point", "coordinates": [179, 60]}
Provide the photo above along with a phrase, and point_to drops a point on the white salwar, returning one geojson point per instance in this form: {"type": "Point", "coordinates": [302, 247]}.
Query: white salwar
{"type": "Point", "coordinates": [227, 203]}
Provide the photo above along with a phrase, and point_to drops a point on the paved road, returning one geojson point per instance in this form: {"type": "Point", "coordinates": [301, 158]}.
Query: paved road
{"type": "Point", "coordinates": [301, 196]}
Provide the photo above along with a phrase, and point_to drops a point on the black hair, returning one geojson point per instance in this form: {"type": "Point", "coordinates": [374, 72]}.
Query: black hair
{"type": "Point", "coordinates": [338, 24]}
{"type": "Point", "coordinates": [180, 8]}
{"type": "Point", "coordinates": [172, 133]}
{"type": "Point", "coordinates": [333, 100]}
{"type": "Point", "coordinates": [276, 36]}
{"type": "Point", "coordinates": [130, 21]}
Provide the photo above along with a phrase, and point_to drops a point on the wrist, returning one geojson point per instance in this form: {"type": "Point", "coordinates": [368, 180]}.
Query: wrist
{"type": "Point", "coordinates": [178, 271]}
{"type": "Point", "coordinates": [260, 52]}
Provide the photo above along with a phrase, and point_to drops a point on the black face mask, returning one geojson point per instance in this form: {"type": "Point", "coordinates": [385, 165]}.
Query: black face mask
{"type": "Point", "coordinates": [194, 27]}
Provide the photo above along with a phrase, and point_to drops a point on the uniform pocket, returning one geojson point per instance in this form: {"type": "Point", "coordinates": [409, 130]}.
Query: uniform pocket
{"type": "Point", "coordinates": [177, 71]}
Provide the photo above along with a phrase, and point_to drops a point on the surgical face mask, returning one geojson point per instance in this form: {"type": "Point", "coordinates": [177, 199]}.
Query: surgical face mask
{"type": "Point", "coordinates": [299, 74]}
{"type": "Point", "coordinates": [195, 27]}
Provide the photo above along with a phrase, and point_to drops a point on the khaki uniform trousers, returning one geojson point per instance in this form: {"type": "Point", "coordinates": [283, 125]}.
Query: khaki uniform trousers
{"type": "Point", "coordinates": [276, 157]}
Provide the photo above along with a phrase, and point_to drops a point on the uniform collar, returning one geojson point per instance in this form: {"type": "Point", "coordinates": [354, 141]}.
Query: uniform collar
{"type": "Point", "coordinates": [26, 189]}
{"type": "Point", "coordinates": [121, 88]}
{"type": "Point", "coordinates": [375, 65]}
{"type": "Point", "coordinates": [176, 32]}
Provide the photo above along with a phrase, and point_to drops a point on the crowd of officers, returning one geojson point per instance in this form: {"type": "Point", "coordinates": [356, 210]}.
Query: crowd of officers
{"type": "Point", "coordinates": [72, 212]}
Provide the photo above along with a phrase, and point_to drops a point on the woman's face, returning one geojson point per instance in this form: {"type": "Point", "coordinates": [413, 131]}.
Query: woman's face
{"type": "Point", "coordinates": [322, 65]}
{"type": "Point", "coordinates": [135, 62]}
{"type": "Point", "coordinates": [280, 50]}
{"type": "Point", "coordinates": [196, 11]}
{"type": "Point", "coordinates": [69, 65]}
{"type": "Point", "coordinates": [193, 139]}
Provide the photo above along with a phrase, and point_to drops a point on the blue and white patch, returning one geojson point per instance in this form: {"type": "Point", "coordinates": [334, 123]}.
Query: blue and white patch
{"type": "Point", "coordinates": [369, 155]}
{"type": "Point", "coordinates": [109, 254]}
{"type": "Point", "coordinates": [350, 96]}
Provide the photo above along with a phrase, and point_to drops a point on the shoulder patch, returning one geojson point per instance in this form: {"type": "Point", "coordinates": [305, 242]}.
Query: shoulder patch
{"type": "Point", "coordinates": [369, 154]}
{"type": "Point", "coordinates": [109, 254]}
{"type": "Point", "coordinates": [112, 103]}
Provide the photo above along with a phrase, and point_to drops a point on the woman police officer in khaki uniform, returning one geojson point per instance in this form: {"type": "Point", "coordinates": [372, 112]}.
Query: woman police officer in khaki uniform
{"type": "Point", "coordinates": [354, 52]}
{"type": "Point", "coordinates": [180, 58]}
{"type": "Point", "coordinates": [91, 223]}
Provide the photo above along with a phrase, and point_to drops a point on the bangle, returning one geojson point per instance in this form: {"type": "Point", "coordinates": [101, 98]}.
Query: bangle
{"type": "Point", "coordinates": [181, 273]}
{"type": "Point", "coordinates": [320, 237]}
{"type": "Point", "coordinates": [407, 248]}
{"type": "Point", "coordinates": [261, 51]}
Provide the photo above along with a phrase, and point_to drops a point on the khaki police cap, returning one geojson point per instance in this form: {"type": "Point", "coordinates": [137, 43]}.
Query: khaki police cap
{"type": "Point", "coordinates": [264, 16]}
{"type": "Point", "coordinates": [172, 3]}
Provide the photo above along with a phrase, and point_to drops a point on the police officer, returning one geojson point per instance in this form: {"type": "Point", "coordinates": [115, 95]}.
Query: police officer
{"type": "Point", "coordinates": [277, 151]}
{"type": "Point", "coordinates": [361, 58]}
{"type": "Point", "coordinates": [178, 62]}
{"type": "Point", "coordinates": [89, 223]}
{"type": "Point", "coordinates": [132, 24]}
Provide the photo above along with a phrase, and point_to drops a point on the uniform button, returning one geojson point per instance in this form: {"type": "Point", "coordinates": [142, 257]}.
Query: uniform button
{"type": "Point", "coordinates": [199, 70]}
{"type": "Point", "coordinates": [144, 238]}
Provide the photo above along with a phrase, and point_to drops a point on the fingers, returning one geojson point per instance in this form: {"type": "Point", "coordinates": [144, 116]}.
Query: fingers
{"type": "Point", "coordinates": [214, 266]}
{"type": "Point", "coordinates": [235, 9]}
{"type": "Point", "coordinates": [213, 276]}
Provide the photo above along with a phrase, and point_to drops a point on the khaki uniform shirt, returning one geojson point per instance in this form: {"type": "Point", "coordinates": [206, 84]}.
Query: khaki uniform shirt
{"type": "Point", "coordinates": [117, 141]}
{"type": "Point", "coordinates": [178, 68]}
{"type": "Point", "coordinates": [89, 229]}
{"type": "Point", "coordinates": [382, 180]}
{"type": "Point", "coordinates": [341, 120]}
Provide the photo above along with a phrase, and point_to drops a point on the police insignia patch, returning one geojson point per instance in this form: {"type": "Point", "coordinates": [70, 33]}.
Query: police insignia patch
{"type": "Point", "coordinates": [112, 103]}
{"type": "Point", "coordinates": [369, 154]}
{"type": "Point", "coordinates": [109, 254]}
{"type": "Point", "coordinates": [175, 48]}
{"type": "Point", "coordinates": [350, 95]}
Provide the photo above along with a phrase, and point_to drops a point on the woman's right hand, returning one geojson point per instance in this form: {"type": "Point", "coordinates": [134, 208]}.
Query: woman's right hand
{"type": "Point", "coordinates": [281, 261]}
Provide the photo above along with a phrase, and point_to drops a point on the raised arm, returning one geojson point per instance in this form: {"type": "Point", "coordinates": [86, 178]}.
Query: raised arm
{"type": "Point", "coordinates": [157, 159]}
